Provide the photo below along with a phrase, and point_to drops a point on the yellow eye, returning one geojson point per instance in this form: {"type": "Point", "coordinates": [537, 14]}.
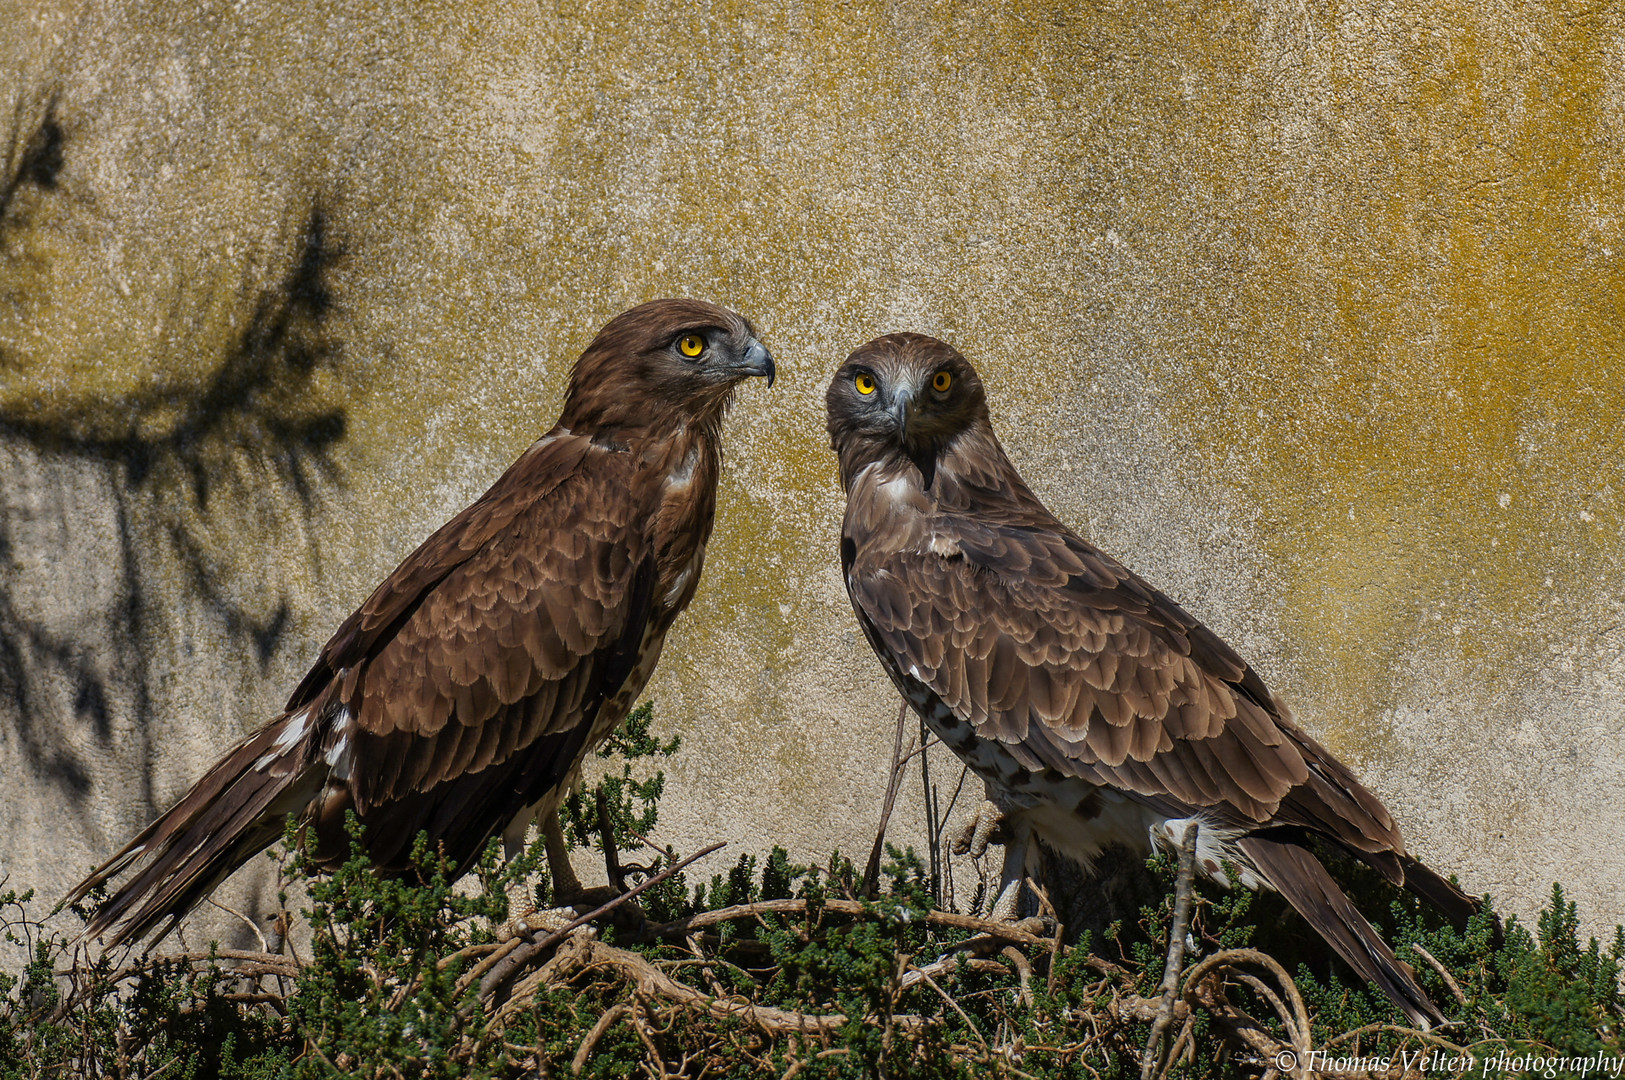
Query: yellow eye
{"type": "Point", "coordinates": [865, 384]}
{"type": "Point", "coordinates": [691, 345]}
{"type": "Point", "coordinates": [942, 381]}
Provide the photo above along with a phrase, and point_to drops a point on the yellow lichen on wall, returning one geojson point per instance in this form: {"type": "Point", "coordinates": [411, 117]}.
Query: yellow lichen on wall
{"type": "Point", "coordinates": [1435, 391]}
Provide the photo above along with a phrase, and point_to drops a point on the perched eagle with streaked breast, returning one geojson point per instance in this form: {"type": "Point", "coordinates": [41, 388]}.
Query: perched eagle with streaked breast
{"type": "Point", "coordinates": [460, 699]}
{"type": "Point", "coordinates": [1096, 710]}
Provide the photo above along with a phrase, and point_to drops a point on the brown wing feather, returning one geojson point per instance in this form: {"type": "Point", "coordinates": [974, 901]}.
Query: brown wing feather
{"type": "Point", "coordinates": [1093, 672]}
{"type": "Point", "coordinates": [1302, 879]}
{"type": "Point", "coordinates": [529, 635]}
{"type": "Point", "coordinates": [530, 479]}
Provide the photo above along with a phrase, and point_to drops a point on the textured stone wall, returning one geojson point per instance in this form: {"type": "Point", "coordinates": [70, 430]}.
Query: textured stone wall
{"type": "Point", "coordinates": [1312, 313]}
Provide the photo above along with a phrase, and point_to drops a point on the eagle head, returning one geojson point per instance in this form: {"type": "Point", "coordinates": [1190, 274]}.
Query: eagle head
{"type": "Point", "coordinates": [903, 396]}
{"type": "Point", "coordinates": [666, 363]}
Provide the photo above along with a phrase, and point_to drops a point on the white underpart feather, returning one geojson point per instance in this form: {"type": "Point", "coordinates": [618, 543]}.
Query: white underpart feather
{"type": "Point", "coordinates": [1077, 818]}
{"type": "Point", "coordinates": [1215, 846]}
{"type": "Point", "coordinates": [898, 490]}
{"type": "Point", "coordinates": [293, 733]}
{"type": "Point", "coordinates": [679, 583]}
{"type": "Point", "coordinates": [684, 474]}
{"type": "Point", "coordinates": [340, 755]}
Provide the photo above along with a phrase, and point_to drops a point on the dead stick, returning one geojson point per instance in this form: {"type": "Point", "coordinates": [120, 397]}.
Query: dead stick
{"type": "Point", "coordinates": [605, 1022]}
{"type": "Point", "coordinates": [1176, 952]}
{"type": "Point", "coordinates": [1455, 988]}
{"type": "Point", "coordinates": [899, 763]}
{"type": "Point", "coordinates": [1296, 1018]}
{"type": "Point", "coordinates": [581, 954]}
{"type": "Point", "coordinates": [943, 994]}
{"type": "Point", "coordinates": [1021, 932]}
{"type": "Point", "coordinates": [246, 920]}
{"type": "Point", "coordinates": [932, 827]}
{"type": "Point", "coordinates": [512, 962]}
{"type": "Point", "coordinates": [612, 853]}
{"type": "Point", "coordinates": [477, 972]}
{"type": "Point", "coordinates": [796, 1066]}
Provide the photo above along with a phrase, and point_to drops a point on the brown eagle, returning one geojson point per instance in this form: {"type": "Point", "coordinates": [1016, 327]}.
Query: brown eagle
{"type": "Point", "coordinates": [1096, 709]}
{"type": "Point", "coordinates": [461, 697]}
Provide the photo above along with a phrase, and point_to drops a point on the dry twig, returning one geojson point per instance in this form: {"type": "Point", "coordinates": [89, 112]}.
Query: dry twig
{"type": "Point", "coordinates": [1025, 932]}
{"type": "Point", "coordinates": [264, 947]}
{"type": "Point", "coordinates": [1455, 989]}
{"type": "Point", "coordinates": [1176, 952]}
{"type": "Point", "coordinates": [899, 764]}
{"type": "Point", "coordinates": [579, 954]}
{"type": "Point", "coordinates": [511, 963]}
{"type": "Point", "coordinates": [801, 1063]}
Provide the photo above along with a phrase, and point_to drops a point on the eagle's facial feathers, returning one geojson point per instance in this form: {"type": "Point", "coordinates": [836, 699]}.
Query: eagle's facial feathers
{"type": "Point", "coordinates": [903, 396]}
{"type": "Point", "coordinates": [681, 360]}
{"type": "Point", "coordinates": [719, 354]}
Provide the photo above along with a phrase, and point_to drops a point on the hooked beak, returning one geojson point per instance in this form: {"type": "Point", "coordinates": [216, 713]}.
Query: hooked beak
{"type": "Point", "coordinates": [758, 361]}
{"type": "Point", "coordinates": [900, 405]}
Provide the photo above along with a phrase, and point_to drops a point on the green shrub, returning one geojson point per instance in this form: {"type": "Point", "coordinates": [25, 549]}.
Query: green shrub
{"type": "Point", "coordinates": [400, 979]}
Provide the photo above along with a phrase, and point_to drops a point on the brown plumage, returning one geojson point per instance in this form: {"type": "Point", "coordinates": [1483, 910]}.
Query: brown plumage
{"type": "Point", "coordinates": [462, 696]}
{"type": "Point", "coordinates": [1097, 710]}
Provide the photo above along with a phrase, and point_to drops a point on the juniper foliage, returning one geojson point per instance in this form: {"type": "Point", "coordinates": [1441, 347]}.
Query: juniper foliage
{"type": "Point", "coordinates": [392, 985]}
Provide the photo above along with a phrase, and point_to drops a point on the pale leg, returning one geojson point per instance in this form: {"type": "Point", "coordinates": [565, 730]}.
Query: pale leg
{"type": "Point", "coordinates": [1020, 862]}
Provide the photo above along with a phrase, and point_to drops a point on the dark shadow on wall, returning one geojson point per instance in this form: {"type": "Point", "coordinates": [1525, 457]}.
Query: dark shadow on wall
{"type": "Point", "coordinates": [35, 161]}
{"type": "Point", "coordinates": [161, 479]}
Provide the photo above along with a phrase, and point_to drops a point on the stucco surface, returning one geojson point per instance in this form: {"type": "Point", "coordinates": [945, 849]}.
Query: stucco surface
{"type": "Point", "coordinates": [1311, 313]}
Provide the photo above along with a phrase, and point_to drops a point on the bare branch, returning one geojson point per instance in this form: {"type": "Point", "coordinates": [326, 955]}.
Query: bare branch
{"type": "Point", "coordinates": [512, 962]}
{"type": "Point", "coordinates": [1449, 981]}
{"type": "Point", "coordinates": [579, 954]}
{"type": "Point", "coordinates": [1176, 952]}
{"type": "Point", "coordinates": [899, 765]}
{"type": "Point", "coordinates": [251, 925]}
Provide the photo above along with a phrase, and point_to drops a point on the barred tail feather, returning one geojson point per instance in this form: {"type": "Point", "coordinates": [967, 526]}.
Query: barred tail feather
{"type": "Point", "coordinates": [234, 811]}
{"type": "Point", "coordinates": [1304, 882]}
